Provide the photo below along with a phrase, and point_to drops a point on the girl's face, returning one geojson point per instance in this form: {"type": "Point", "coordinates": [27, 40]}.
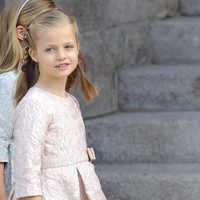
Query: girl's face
{"type": "Point", "coordinates": [56, 53]}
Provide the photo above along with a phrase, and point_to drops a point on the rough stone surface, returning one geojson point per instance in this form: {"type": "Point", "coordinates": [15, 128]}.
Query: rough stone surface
{"type": "Point", "coordinates": [90, 14]}
{"type": "Point", "coordinates": [190, 7]}
{"type": "Point", "coordinates": [150, 182]}
{"type": "Point", "coordinates": [94, 14]}
{"type": "Point", "coordinates": [176, 41]}
{"type": "Point", "coordinates": [136, 45]}
{"type": "Point", "coordinates": [118, 12]}
{"type": "Point", "coordinates": [1, 5]}
{"type": "Point", "coordinates": [166, 87]}
{"type": "Point", "coordinates": [146, 137]}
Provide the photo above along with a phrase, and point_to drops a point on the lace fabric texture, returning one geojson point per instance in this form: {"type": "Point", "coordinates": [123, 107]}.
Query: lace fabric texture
{"type": "Point", "coordinates": [7, 107]}
{"type": "Point", "coordinates": [50, 150]}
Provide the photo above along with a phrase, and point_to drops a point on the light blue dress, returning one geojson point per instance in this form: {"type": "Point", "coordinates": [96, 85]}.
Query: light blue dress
{"type": "Point", "coordinates": [7, 107]}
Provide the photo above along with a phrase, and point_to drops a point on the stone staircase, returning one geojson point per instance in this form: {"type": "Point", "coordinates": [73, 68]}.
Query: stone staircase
{"type": "Point", "coordinates": [150, 148]}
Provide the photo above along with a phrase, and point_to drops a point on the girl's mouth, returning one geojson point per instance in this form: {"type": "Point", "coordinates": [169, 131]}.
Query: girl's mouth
{"type": "Point", "coordinates": [62, 66]}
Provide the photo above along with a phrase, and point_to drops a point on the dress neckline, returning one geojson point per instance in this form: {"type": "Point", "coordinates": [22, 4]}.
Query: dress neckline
{"type": "Point", "coordinates": [52, 94]}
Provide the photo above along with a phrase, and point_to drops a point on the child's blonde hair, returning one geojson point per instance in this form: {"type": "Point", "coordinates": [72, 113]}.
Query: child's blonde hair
{"type": "Point", "coordinates": [11, 51]}
{"type": "Point", "coordinates": [30, 71]}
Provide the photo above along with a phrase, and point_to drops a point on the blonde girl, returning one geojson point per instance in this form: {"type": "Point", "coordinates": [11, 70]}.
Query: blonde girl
{"type": "Point", "coordinates": [51, 157]}
{"type": "Point", "coordinates": [13, 22]}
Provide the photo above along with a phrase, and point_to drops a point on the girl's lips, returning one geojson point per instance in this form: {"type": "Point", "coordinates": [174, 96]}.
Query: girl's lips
{"type": "Point", "coordinates": [62, 66]}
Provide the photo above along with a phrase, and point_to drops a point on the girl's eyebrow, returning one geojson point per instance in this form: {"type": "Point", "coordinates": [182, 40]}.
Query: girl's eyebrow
{"type": "Point", "coordinates": [68, 42]}
{"type": "Point", "coordinates": [50, 44]}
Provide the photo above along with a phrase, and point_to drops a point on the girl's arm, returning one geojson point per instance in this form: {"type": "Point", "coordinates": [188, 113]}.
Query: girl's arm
{"type": "Point", "coordinates": [2, 186]}
{"type": "Point", "coordinates": [30, 124]}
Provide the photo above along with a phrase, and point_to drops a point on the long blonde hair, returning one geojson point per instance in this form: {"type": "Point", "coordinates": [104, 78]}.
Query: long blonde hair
{"type": "Point", "coordinates": [11, 51]}
{"type": "Point", "coordinates": [30, 71]}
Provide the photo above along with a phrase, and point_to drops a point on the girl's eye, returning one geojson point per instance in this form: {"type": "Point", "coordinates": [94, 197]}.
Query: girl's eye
{"type": "Point", "coordinates": [49, 49]}
{"type": "Point", "coordinates": [69, 46]}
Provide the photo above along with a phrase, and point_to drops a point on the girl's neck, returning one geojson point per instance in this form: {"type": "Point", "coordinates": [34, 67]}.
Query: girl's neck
{"type": "Point", "coordinates": [56, 87]}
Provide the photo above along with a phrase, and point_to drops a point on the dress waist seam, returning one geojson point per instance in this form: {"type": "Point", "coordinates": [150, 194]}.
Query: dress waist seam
{"type": "Point", "coordinates": [63, 164]}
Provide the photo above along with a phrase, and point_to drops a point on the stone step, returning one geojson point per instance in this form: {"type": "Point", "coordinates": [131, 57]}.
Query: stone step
{"type": "Point", "coordinates": [145, 137]}
{"type": "Point", "coordinates": [191, 7]}
{"type": "Point", "coordinates": [167, 87]}
{"type": "Point", "coordinates": [150, 181]}
{"type": "Point", "coordinates": [176, 40]}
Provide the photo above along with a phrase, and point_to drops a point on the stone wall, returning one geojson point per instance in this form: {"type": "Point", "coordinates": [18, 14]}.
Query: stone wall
{"type": "Point", "coordinates": [1, 5]}
{"type": "Point", "coordinates": [192, 8]}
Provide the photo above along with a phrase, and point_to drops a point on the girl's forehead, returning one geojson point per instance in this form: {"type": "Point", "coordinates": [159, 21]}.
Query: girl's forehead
{"type": "Point", "coordinates": [61, 27]}
{"type": "Point", "coordinates": [56, 35]}
{"type": "Point", "coordinates": [58, 29]}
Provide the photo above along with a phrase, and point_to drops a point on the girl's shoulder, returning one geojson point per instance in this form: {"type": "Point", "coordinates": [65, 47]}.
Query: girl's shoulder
{"type": "Point", "coordinates": [33, 104]}
{"type": "Point", "coordinates": [34, 98]}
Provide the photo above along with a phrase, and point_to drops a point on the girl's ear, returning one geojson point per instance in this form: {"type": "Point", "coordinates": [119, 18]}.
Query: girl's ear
{"type": "Point", "coordinates": [33, 54]}
{"type": "Point", "coordinates": [20, 32]}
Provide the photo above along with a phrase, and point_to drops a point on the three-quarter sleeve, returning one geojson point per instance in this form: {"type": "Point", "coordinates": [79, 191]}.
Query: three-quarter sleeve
{"type": "Point", "coordinates": [7, 88]}
{"type": "Point", "coordinates": [30, 126]}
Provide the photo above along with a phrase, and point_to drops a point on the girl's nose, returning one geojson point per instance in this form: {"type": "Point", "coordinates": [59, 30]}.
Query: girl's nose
{"type": "Point", "coordinates": [61, 55]}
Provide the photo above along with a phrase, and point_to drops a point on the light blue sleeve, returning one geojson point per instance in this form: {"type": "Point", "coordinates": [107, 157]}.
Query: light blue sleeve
{"type": "Point", "coordinates": [7, 90]}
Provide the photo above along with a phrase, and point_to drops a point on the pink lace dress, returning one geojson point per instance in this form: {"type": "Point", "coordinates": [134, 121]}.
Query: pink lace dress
{"type": "Point", "coordinates": [50, 150]}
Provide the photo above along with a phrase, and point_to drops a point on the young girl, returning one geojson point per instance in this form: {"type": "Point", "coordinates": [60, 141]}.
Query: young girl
{"type": "Point", "coordinates": [13, 22]}
{"type": "Point", "coordinates": [51, 158]}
